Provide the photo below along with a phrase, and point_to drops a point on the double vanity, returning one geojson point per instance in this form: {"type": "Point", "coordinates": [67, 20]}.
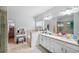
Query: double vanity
{"type": "Point", "coordinates": [56, 44]}
{"type": "Point", "coordinates": [62, 23]}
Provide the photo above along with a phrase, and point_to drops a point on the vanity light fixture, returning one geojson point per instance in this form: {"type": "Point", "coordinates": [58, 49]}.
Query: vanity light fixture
{"type": "Point", "coordinates": [68, 23]}
{"type": "Point", "coordinates": [70, 11]}
{"type": "Point", "coordinates": [12, 24]}
{"type": "Point", "coordinates": [48, 18]}
{"type": "Point", "coordinates": [75, 10]}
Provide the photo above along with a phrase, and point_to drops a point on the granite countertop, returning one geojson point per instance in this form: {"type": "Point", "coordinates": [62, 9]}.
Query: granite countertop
{"type": "Point", "coordinates": [70, 41]}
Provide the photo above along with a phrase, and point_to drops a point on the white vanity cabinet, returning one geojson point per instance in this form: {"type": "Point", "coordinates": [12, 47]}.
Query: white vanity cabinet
{"type": "Point", "coordinates": [57, 46]}
{"type": "Point", "coordinates": [50, 44]}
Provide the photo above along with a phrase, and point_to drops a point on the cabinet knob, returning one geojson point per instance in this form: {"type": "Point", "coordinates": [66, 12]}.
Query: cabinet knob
{"type": "Point", "coordinates": [61, 49]}
{"type": "Point", "coordinates": [65, 51]}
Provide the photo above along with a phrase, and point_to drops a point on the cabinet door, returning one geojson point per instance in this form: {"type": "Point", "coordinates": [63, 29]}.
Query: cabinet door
{"type": "Point", "coordinates": [52, 45]}
{"type": "Point", "coordinates": [48, 43]}
{"type": "Point", "coordinates": [44, 41]}
{"type": "Point", "coordinates": [74, 47]}
{"type": "Point", "coordinates": [69, 50]}
{"type": "Point", "coordinates": [58, 47]}
{"type": "Point", "coordinates": [41, 40]}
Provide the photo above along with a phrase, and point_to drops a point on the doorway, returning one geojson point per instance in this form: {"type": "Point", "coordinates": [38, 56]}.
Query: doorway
{"type": "Point", "coordinates": [11, 32]}
{"type": "Point", "coordinates": [18, 38]}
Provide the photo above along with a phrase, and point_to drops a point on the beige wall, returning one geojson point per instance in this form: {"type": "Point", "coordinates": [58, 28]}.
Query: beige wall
{"type": "Point", "coordinates": [3, 31]}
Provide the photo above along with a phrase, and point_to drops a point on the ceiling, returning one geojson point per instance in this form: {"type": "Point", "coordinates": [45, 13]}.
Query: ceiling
{"type": "Point", "coordinates": [22, 16]}
{"type": "Point", "coordinates": [30, 10]}
{"type": "Point", "coordinates": [53, 12]}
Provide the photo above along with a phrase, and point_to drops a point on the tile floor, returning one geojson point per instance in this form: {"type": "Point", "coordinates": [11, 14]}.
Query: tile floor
{"type": "Point", "coordinates": [24, 48]}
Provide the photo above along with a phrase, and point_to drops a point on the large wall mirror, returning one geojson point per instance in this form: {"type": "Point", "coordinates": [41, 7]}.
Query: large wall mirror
{"type": "Point", "coordinates": [65, 24]}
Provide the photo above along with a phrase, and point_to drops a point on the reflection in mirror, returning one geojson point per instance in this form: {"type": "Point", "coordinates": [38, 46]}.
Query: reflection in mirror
{"type": "Point", "coordinates": [65, 24]}
{"type": "Point", "coordinates": [65, 27]}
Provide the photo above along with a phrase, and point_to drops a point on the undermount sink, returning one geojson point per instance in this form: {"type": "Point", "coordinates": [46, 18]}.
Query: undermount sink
{"type": "Point", "coordinates": [47, 32]}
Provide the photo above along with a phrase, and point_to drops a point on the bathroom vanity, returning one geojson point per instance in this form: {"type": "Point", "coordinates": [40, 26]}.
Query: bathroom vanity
{"type": "Point", "coordinates": [56, 44]}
